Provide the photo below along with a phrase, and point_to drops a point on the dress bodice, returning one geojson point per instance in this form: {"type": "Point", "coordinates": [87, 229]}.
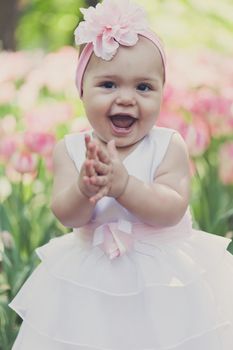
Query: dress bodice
{"type": "Point", "coordinates": [142, 163]}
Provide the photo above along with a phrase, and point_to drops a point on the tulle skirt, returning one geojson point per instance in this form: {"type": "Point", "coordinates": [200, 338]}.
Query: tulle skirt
{"type": "Point", "coordinates": [173, 290]}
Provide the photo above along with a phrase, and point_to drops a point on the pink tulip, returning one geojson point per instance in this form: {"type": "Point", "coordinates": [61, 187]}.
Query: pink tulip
{"type": "Point", "coordinates": [217, 110]}
{"type": "Point", "coordinates": [58, 70]}
{"type": "Point", "coordinates": [7, 239]}
{"type": "Point", "coordinates": [11, 173]}
{"type": "Point", "coordinates": [7, 92]}
{"type": "Point", "coordinates": [5, 188]}
{"type": "Point", "coordinates": [196, 135]}
{"type": "Point", "coordinates": [226, 163]}
{"type": "Point", "coordinates": [39, 142]}
{"type": "Point", "coordinates": [15, 65]}
{"type": "Point", "coordinates": [199, 68]}
{"type": "Point", "coordinates": [46, 117]}
{"type": "Point", "coordinates": [80, 124]}
{"type": "Point", "coordinates": [49, 163]}
{"type": "Point", "coordinates": [174, 96]}
{"type": "Point", "coordinates": [7, 125]}
{"type": "Point", "coordinates": [28, 95]}
{"type": "Point", "coordinates": [8, 146]}
{"type": "Point", "coordinates": [170, 119]}
{"type": "Point", "coordinates": [24, 162]}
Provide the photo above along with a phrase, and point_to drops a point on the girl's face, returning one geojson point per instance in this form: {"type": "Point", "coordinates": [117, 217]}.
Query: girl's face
{"type": "Point", "coordinates": [122, 97]}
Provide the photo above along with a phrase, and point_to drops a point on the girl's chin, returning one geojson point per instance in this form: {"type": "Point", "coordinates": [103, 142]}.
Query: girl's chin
{"type": "Point", "coordinates": [121, 139]}
{"type": "Point", "coordinates": [125, 142]}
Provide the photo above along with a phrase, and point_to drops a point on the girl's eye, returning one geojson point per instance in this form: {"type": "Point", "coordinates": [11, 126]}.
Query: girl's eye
{"type": "Point", "coordinates": [108, 85]}
{"type": "Point", "coordinates": [144, 87]}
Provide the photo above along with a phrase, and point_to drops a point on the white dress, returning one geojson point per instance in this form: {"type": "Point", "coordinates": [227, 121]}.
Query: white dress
{"type": "Point", "coordinates": [170, 288]}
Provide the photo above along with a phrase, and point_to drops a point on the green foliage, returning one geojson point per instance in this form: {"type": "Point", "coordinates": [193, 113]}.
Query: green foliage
{"type": "Point", "coordinates": [26, 215]}
{"type": "Point", "coordinates": [49, 24]}
{"type": "Point", "coordinates": [212, 201]}
{"type": "Point", "coordinates": [192, 23]}
{"type": "Point", "coordinates": [181, 23]}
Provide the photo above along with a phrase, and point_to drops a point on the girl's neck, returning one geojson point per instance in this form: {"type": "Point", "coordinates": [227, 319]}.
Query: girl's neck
{"type": "Point", "coordinates": [122, 151]}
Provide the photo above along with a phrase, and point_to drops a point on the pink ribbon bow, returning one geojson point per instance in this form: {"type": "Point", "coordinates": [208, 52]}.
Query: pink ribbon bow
{"type": "Point", "coordinates": [115, 238]}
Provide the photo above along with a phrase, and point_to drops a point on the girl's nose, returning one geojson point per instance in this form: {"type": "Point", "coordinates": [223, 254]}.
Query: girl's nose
{"type": "Point", "coordinates": [126, 98]}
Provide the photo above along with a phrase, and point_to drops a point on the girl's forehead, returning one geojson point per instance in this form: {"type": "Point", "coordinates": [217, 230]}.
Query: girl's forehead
{"type": "Point", "coordinates": [141, 58]}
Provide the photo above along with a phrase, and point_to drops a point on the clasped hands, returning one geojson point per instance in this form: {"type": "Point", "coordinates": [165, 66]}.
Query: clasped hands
{"type": "Point", "coordinates": [102, 173]}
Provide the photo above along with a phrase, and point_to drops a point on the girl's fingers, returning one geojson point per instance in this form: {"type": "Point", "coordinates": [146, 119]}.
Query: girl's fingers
{"type": "Point", "coordinates": [91, 148]}
{"type": "Point", "coordinates": [89, 168]}
{"type": "Point", "coordinates": [103, 156]}
{"type": "Point", "coordinates": [99, 180]}
{"type": "Point", "coordinates": [101, 168]}
{"type": "Point", "coordinates": [90, 187]}
{"type": "Point", "coordinates": [102, 193]}
{"type": "Point", "coordinates": [87, 139]}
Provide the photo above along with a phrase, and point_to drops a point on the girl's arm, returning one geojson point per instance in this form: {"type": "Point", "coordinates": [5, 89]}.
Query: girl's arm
{"type": "Point", "coordinates": [69, 204]}
{"type": "Point", "coordinates": [164, 202]}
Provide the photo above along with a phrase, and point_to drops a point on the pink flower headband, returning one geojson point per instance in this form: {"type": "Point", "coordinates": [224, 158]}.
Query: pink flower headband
{"type": "Point", "coordinates": [107, 26]}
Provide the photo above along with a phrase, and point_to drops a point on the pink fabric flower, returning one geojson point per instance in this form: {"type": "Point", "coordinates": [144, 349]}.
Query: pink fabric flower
{"type": "Point", "coordinates": [109, 24]}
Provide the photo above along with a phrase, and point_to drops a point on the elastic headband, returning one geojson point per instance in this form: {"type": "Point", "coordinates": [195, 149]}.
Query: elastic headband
{"type": "Point", "coordinates": [111, 24]}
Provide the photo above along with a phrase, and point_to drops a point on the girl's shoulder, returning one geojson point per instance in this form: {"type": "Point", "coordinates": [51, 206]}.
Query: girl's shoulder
{"type": "Point", "coordinates": [161, 132]}
{"type": "Point", "coordinates": [170, 150]}
{"type": "Point", "coordinates": [166, 138]}
{"type": "Point", "coordinates": [176, 155]}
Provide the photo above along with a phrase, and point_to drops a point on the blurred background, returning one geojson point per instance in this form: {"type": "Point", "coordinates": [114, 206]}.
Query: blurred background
{"type": "Point", "coordinates": [39, 104]}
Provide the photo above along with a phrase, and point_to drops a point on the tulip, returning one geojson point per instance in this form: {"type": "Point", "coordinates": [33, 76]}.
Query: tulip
{"type": "Point", "coordinates": [49, 163]}
{"type": "Point", "coordinates": [39, 142]}
{"type": "Point", "coordinates": [226, 163]}
{"type": "Point", "coordinates": [80, 124]}
{"type": "Point", "coordinates": [24, 162]}
{"type": "Point", "coordinates": [46, 117]}
{"type": "Point", "coordinates": [197, 136]}
{"type": "Point", "coordinates": [7, 239]}
{"type": "Point", "coordinates": [7, 92]}
{"type": "Point", "coordinates": [14, 65]}
{"type": "Point", "coordinates": [8, 146]}
{"type": "Point", "coordinates": [7, 125]}
{"type": "Point", "coordinates": [5, 188]}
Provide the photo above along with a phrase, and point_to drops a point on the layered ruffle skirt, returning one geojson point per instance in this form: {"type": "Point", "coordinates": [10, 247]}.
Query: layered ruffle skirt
{"type": "Point", "coordinates": [170, 289]}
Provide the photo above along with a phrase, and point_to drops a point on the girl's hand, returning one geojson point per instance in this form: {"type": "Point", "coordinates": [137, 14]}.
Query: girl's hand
{"type": "Point", "coordinates": [94, 176]}
{"type": "Point", "coordinates": [87, 170]}
{"type": "Point", "coordinates": [114, 177]}
{"type": "Point", "coordinates": [85, 186]}
{"type": "Point", "coordinates": [120, 176]}
{"type": "Point", "coordinates": [102, 174]}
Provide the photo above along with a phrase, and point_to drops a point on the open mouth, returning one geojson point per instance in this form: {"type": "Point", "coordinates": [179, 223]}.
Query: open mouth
{"type": "Point", "coordinates": [122, 121]}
